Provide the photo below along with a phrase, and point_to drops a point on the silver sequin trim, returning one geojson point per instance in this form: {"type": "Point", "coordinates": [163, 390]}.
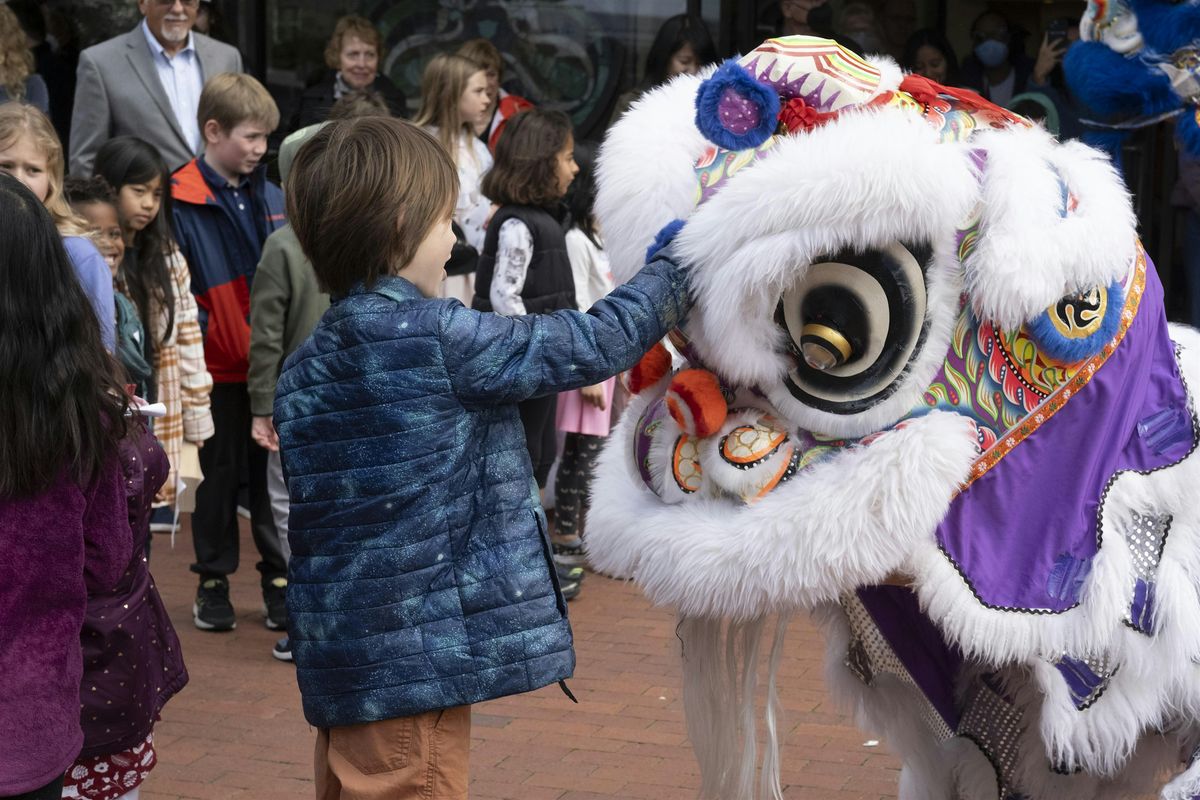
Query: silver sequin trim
{"type": "Point", "coordinates": [1145, 538]}
{"type": "Point", "coordinates": [870, 654]}
{"type": "Point", "coordinates": [994, 725]}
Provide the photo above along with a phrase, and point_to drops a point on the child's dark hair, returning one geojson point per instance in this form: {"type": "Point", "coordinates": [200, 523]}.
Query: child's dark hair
{"type": "Point", "coordinates": [581, 197]}
{"type": "Point", "coordinates": [85, 191]}
{"type": "Point", "coordinates": [524, 173]}
{"type": "Point", "coordinates": [61, 406]}
{"type": "Point", "coordinates": [363, 194]}
{"type": "Point", "coordinates": [126, 160]}
{"type": "Point", "coordinates": [675, 32]}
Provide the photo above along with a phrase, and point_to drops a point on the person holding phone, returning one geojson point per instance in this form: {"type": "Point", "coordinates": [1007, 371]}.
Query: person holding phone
{"type": "Point", "coordinates": [1054, 46]}
{"type": "Point", "coordinates": [1047, 87]}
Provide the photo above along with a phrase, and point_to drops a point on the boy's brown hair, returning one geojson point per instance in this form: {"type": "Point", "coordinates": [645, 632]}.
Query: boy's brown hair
{"type": "Point", "coordinates": [232, 98]}
{"type": "Point", "coordinates": [524, 172]}
{"type": "Point", "coordinates": [363, 194]}
{"type": "Point", "coordinates": [483, 53]}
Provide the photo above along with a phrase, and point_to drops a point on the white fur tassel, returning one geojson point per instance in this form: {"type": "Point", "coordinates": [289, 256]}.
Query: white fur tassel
{"type": "Point", "coordinates": [720, 681]}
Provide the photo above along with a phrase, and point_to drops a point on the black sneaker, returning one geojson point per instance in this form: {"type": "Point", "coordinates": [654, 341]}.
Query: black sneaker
{"type": "Point", "coordinates": [212, 610]}
{"type": "Point", "coordinates": [283, 650]}
{"type": "Point", "coordinates": [569, 551]}
{"type": "Point", "coordinates": [570, 589]}
{"type": "Point", "coordinates": [275, 604]}
{"type": "Point", "coordinates": [568, 574]}
{"type": "Point", "coordinates": [162, 520]}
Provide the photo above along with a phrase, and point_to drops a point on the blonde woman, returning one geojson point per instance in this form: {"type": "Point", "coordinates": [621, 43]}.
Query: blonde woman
{"type": "Point", "coordinates": [18, 81]}
{"type": "Point", "coordinates": [352, 56]}
{"type": "Point", "coordinates": [31, 153]}
{"type": "Point", "coordinates": [454, 98]}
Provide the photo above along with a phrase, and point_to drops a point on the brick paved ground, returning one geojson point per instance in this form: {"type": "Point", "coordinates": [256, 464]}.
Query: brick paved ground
{"type": "Point", "coordinates": [236, 731]}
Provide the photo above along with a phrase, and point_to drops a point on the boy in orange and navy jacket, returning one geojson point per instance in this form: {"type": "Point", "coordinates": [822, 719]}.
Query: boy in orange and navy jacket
{"type": "Point", "coordinates": [224, 210]}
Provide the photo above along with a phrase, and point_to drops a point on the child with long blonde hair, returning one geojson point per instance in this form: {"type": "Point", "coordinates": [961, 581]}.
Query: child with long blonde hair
{"type": "Point", "coordinates": [31, 152]}
{"type": "Point", "coordinates": [454, 97]}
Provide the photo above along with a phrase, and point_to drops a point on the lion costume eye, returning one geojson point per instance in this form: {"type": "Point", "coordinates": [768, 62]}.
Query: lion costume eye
{"type": "Point", "coordinates": [853, 324]}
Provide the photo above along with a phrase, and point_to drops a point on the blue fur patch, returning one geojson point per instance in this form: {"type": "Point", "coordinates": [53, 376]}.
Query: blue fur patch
{"type": "Point", "coordinates": [1071, 313]}
{"type": "Point", "coordinates": [1109, 142]}
{"type": "Point", "coordinates": [1114, 87]}
{"type": "Point", "coordinates": [1167, 26]}
{"type": "Point", "coordinates": [664, 238]}
{"type": "Point", "coordinates": [734, 111]}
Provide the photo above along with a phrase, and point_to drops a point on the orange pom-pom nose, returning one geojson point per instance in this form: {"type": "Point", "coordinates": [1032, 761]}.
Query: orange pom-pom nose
{"type": "Point", "coordinates": [651, 369]}
{"type": "Point", "coordinates": [696, 402]}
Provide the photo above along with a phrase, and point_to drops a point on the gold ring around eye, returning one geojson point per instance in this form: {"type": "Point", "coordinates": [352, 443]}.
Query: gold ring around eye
{"type": "Point", "coordinates": [830, 336]}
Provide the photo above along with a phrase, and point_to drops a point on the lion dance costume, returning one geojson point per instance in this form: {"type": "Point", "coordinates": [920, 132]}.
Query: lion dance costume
{"type": "Point", "coordinates": [1138, 64]}
{"type": "Point", "coordinates": [926, 343]}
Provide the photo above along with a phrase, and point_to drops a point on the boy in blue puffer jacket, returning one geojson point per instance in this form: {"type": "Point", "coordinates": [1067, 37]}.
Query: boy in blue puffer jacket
{"type": "Point", "coordinates": [421, 578]}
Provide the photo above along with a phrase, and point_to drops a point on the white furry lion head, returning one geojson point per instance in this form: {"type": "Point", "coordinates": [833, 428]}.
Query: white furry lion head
{"type": "Point", "coordinates": [837, 214]}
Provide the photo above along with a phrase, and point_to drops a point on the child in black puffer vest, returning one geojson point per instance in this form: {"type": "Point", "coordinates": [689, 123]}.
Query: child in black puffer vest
{"type": "Point", "coordinates": [524, 268]}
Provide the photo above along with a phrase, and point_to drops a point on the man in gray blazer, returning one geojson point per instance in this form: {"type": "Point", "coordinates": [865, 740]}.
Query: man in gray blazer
{"type": "Point", "coordinates": [147, 83]}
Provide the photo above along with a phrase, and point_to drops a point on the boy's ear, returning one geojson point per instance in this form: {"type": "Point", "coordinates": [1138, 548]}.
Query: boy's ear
{"type": "Point", "coordinates": [211, 131]}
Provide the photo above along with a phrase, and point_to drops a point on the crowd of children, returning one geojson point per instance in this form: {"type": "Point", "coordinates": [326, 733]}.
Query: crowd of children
{"type": "Point", "coordinates": [169, 317]}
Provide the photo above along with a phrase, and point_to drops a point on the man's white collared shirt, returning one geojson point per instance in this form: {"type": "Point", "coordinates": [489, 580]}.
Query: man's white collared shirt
{"type": "Point", "coordinates": [182, 78]}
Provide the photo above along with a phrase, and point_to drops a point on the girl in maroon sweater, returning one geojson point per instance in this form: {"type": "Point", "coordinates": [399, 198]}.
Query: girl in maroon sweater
{"type": "Point", "coordinates": [63, 514]}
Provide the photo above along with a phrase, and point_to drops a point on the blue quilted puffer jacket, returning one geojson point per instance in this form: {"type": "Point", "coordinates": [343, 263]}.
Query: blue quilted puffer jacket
{"type": "Point", "coordinates": [421, 575]}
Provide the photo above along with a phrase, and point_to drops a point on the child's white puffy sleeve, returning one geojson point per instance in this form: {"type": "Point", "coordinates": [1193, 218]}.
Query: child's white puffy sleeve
{"type": "Point", "coordinates": [514, 253]}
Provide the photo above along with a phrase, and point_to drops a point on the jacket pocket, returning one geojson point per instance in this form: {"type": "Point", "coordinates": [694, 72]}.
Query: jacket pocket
{"type": "Point", "coordinates": [374, 747]}
{"type": "Point", "coordinates": [548, 554]}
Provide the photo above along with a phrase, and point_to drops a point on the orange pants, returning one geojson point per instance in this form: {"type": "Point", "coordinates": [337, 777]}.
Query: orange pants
{"type": "Point", "coordinates": [422, 756]}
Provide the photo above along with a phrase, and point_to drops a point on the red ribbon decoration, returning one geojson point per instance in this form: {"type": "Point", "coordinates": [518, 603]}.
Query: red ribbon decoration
{"type": "Point", "coordinates": [797, 115]}
{"type": "Point", "coordinates": [926, 91]}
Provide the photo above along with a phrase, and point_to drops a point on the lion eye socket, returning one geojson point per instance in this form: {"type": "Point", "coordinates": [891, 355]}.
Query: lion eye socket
{"type": "Point", "coordinates": [853, 323]}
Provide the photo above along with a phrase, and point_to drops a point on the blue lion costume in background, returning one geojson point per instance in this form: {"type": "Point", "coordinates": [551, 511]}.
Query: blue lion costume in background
{"type": "Point", "coordinates": [1138, 63]}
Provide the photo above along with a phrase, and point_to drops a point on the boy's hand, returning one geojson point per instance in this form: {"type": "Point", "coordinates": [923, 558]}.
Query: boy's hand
{"type": "Point", "coordinates": [262, 430]}
{"type": "Point", "coordinates": [663, 238]}
{"type": "Point", "coordinates": [595, 396]}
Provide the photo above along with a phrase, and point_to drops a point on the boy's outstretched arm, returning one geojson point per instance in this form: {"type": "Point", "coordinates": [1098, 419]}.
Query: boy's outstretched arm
{"type": "Point", "coordinates": [494, 359]}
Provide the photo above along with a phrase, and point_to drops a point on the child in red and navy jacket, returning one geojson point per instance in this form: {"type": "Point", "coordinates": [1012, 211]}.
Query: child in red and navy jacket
{"type": "Point", "coordinates": [225, 209]}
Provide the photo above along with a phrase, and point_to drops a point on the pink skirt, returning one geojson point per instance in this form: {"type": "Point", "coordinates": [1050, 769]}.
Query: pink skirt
{"type": "Point", "coordinates": [576, 415]}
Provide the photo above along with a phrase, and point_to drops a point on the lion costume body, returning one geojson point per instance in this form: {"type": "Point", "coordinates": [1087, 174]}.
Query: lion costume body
{"type": "Point", "coordinates": [927, 343]}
